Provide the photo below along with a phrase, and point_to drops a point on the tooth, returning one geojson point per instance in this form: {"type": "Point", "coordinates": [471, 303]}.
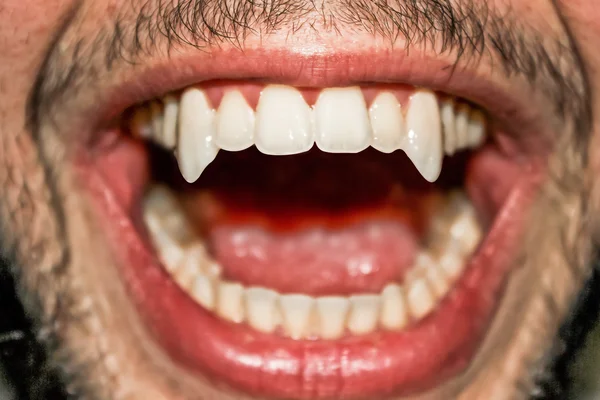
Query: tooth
{"type": "Point", "coordinates": [424, 143]}
{"type": "Point", "coordinates": [435, 277]}
{"type": "Point", "coordinates": [230, 301]}
{"type": "Point", "coordinates": [141, 123]}
{"type": "Point", "coordinates": [283, 122]}
{"type": "Point", "coordinates": [393, 307]}
{"type": "Point", "coordinates": [332, 312]}
{"type": "Point", "coordinates": [195, 148]}
{"type": "Point", "coordinates": [234, 122]}
{"type": "Point", "coordinates": [169, 128]}
{"type": "Point", "coordinates": [341, 121]}
{"type": "Point", "coordinates": [169, 251]}
{"type": "Point", "coordinates": [452, 264]}
{"type": "Point", "coordinates": [462, 126]}
{"type": "Point", "coordinates": [387, 123]}
{"type": "Point", "coordinates": [420, 299]}
{"type": "Point", "coordinates": [297, 310]}
{"type": "Point", "coordinates": [465, 231]}
{"type": "Point", "coordinates": [364, 313]}
{"type": "Point", "coordinates": [203, 291]}
{"type": "Point", "coordinates": [261, 309]}
{"type": "Point", "coordinates": [157, 120]}
{"type": "Point", "coordinates": [476, 130]}
{"type": "Point", "coordinates": [449, 127]}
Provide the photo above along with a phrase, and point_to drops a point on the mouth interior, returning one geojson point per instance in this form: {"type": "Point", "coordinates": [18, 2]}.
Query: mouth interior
{"type": "Point", "coordinates": [344, 233]}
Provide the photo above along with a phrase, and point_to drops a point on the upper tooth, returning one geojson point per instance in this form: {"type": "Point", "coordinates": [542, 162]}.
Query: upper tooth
{"type": "Point", "coordinates": [341, 121]}
{"type": "Point", "coordinates": [387, 123]}
{"type": "Point", "coordinates": [169, 129]}
{"type": "Point", "coordinates": [424, 143]}
{"type": "Point", "coordinates": [234, 123]}
{"type": "Point", "coordinates": [476, 130]}
{"type": "Point", "coordinates": [449, 126]}
{"type": "Point", "coordinates": [283, 121]}
{"type": "Point", "coordinates": [157, 119]}
{"type": "Point", "coordinates": [462, 126]}
{"type": "Point", "coordinates": [196, 148]}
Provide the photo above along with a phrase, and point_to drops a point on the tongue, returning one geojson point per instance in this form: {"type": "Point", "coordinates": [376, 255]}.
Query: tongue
{"type": "Point", "coordinates": [358, 259]}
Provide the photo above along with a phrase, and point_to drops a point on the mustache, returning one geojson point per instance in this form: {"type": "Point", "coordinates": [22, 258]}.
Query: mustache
{"type": "Point", "coordinates": [33, 369]}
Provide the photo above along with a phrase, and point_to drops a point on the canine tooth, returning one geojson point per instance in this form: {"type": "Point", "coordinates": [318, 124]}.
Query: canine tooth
{"type": "Point", "coordinates": [234, 123]}
{"type": "Point", "coordinates": [387, 123]}
{"type": "Point", "coordinates": [476, 129]}
{"type": "Point", "coordinates": [283, 121]}
{"type": "Point", "coordinates": [296, 312]}
{"type": "Point", "coordinates": [261, 309]}
{"type": "Point", "coordinates": [342, 121]}
{"type": "Point", "coordinates": [424, 142]}
{"type": "Point", "coordinates": [393, 307]}
{"type": "Point", "coordinates": [449, 126]}
{"type": "Point", "coordinates": [195, 148]}
{"type": "Point", "coordinates": [420, 299]}
{"type": "Point", "coordinates": [332, 312]}
{"type": "Point", "coordinates": [462, 126]}
{"type": "Point", "coordinates": [230, 301]}
{"type": "Point", "coordinates": [364, 313]}
{"type": "Point", "coordinates": [203, 291]}
{"type": "Point", "coordinates": [169, 128]}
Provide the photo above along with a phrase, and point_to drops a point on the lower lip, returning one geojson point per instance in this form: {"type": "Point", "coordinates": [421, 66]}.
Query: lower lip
{"type": "Point", "coordinates": [382, 363]}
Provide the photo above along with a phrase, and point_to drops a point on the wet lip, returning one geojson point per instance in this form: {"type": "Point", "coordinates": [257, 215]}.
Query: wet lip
{"type": "Point", "coordinates": [376, 365]}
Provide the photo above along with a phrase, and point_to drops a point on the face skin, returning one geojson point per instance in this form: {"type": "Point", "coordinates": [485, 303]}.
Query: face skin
{"type": "Point", "coordinates": [69, 70]}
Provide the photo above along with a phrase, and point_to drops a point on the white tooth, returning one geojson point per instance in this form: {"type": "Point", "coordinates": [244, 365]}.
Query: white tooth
{"type": "Point", "coordinates": [393, 307]}
{"type": "Point", "coordinates": [230, 301]}
{"type": "Point", "coordinates": [283, 121]}
{"type": "Point", "coordinates": [169, 128]}
{"type": "Point", "coordinates": [420, 299]}
{"type": "Point", "coordinates": [297, 310]}
{"type": "Point", "coordinates": [342, 121]}
{"type": "Point", "coordinates": [436, 278]}
{"type": "Point", "coordinates": [466, 231]}
{"type": "Point", "coordinates": [261, 309]}
{"type": "Point", "coordinates": [169, 251]}
{"type": "Point", "coordinates": [332, 311]}
{"type": "Point", "coordinates": [387, 123]}
{"type": "Point", "coordinates": [195, 148]}
{"type": "Point", "coordinates": [141, 122]}
{"type": "Point", "coordinates": [203, 291]}
{"type": "Point", "coordinates": [452, 264]}
{"type": "Point", "coordinates": [234, 122]}
{"type": "Point", "coordinates": [462, 126]}
{"type": "Point", "coordinates": [424, 143]}
{"type": "Point", "coordinates": [157, 120]}
{"type": "Point", "coordinates": [449, 127]}
{"type": "Point", "coordinates": [476, 130]}
{"type": "Point", "coordinates": [364, 313]}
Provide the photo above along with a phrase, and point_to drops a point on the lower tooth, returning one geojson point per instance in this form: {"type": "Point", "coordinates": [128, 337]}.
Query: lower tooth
{"type": "Point", "coordinates": [332, 311]}
{"type": "Point", "coordinates": [261, 309]}
{"type": "Point", "coordinates": [203, 291]}
{"type": "Point", "coordinates": [420, 299]}
{"type": "Point", "coordinates": [296, 311]}
{"type": "Point", "coordinates": [364, 313]}
{"type": "Point", "coordinates": [230, 301]}
{"type": "Point", "coordinates": [393, 307]}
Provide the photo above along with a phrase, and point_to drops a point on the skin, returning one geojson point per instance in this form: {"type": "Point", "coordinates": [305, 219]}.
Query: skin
{"type": "Point", "coordinates": [71, 285]}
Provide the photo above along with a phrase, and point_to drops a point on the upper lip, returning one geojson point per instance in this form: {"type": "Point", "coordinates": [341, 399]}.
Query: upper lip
{"type": "Point", "coordinates": [505, 101]}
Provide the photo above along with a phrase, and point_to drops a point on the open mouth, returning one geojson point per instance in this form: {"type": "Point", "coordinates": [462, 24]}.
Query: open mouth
{"type": "Point", "coordinates": [346, 242]}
